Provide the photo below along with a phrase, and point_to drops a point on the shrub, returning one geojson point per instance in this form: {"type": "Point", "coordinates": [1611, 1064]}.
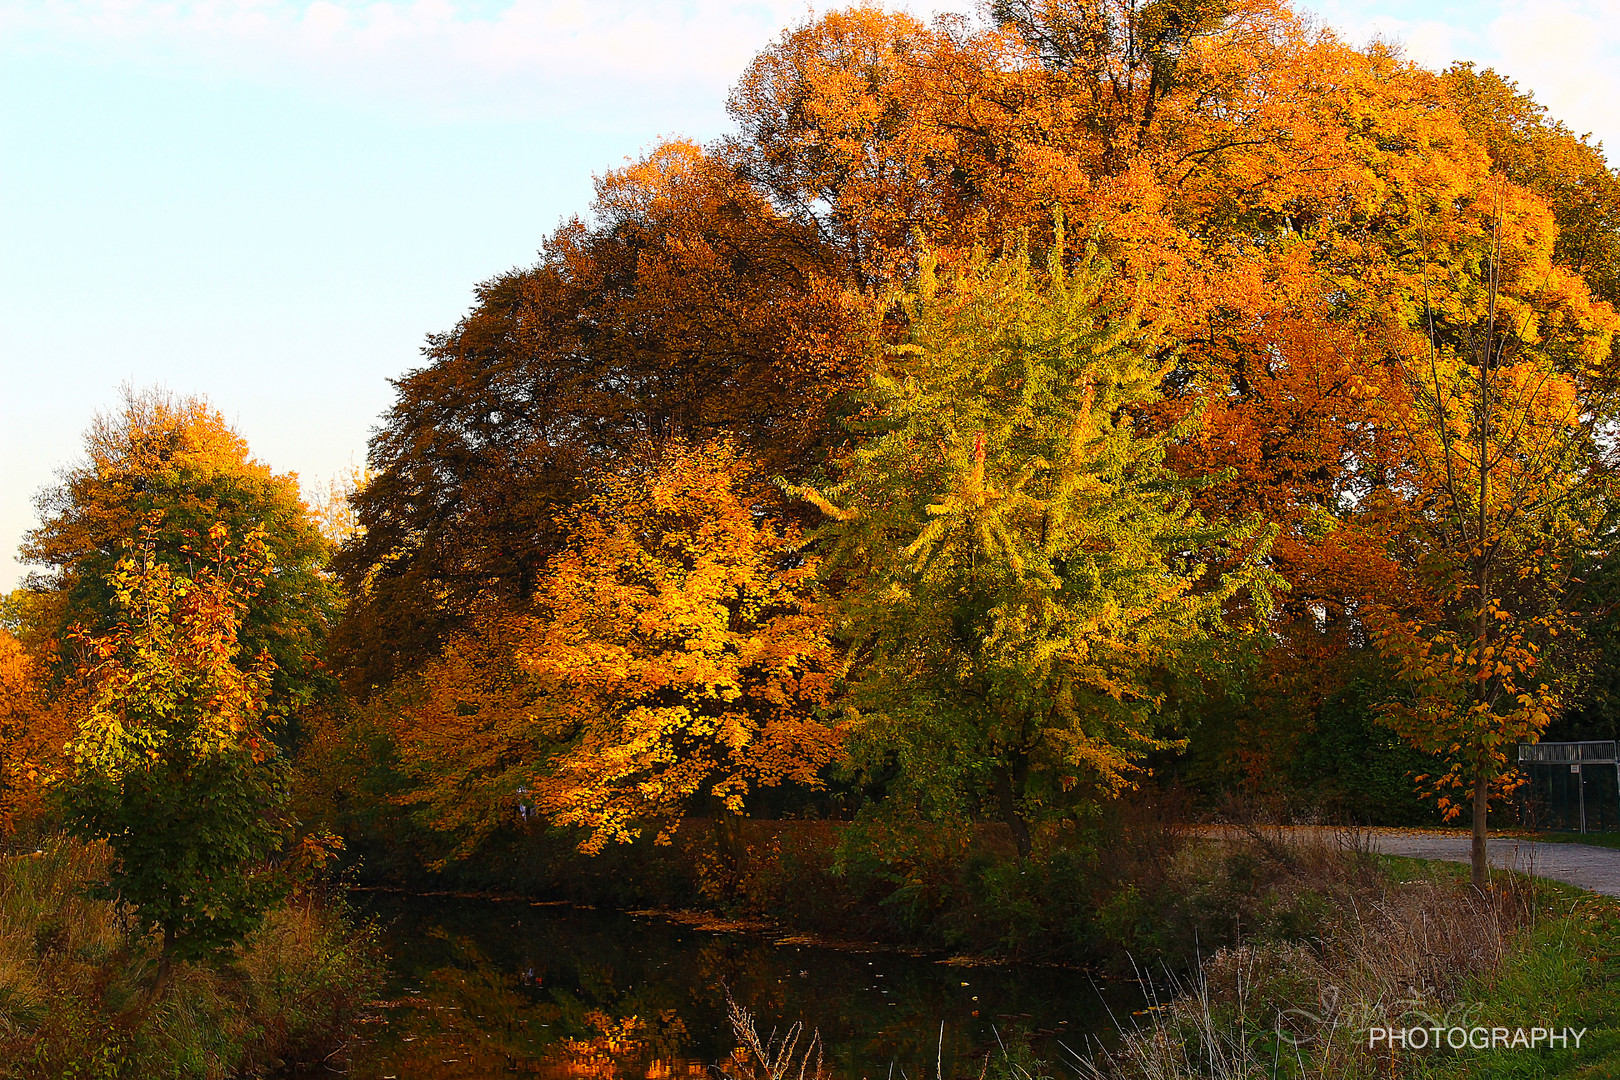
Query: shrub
{"type": "Point", "coordinates": [79, 994]}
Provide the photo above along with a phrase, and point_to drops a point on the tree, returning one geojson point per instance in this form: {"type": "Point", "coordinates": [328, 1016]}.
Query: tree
{"type": "Point", "coordinates": [1017, 565]}
{"type": "Point", "coordinates": [1271, 180]}
{"type": "Point", "coordinates": [675, 657]}
{"type": "Point", "coordinates": [173, 763]}
{"type": "Point", "coordinates": [1505, 420]}
{"type": "Point", "coordinates": [28, 730]}
{"type": "Point", "coordinates": [178, 457]}
{"type": "Point", "coordinates": [1538, 153]}
{"type": "Point", "coordinates": [690, 308]}
{"type": "Point", "coordinates": [18, 694]}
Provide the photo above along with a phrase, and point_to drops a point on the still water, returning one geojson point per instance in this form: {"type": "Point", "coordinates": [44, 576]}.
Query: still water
{"type": "Point", "coordinates": [483, 988]}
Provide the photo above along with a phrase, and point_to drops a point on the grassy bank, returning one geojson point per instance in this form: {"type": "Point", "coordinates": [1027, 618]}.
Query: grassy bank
{"type": "Point", "coordinates": [1325, 941]}
{"type": "Point", "coordinates": [1414, 947]}
{"type": "Point", "coordinates": [79, 996]}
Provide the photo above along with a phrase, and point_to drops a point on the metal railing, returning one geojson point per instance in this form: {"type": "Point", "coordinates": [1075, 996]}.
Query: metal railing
{"type": "Point", "coordinates": [1597, 753]}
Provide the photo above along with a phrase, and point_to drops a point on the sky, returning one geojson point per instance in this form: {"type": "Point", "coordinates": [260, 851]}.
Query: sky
{"type": "Point", "coordinates": [273, 202]}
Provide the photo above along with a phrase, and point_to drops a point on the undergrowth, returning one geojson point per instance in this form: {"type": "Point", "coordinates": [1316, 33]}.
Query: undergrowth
{"type": "Point", "coordinates": [1407, 944]}
{"type": "Point", "coordinates": [1297, 944]}
{"type": "Point", "coordinates": [80, 998]}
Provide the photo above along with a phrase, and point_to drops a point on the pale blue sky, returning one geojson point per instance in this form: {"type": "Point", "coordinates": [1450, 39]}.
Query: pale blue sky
{"type": "Point", "coordinates": [270, 202]}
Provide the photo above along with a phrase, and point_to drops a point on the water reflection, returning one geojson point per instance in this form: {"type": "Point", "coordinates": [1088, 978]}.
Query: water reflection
{"type": "Point", "coordinates": [496, 989]}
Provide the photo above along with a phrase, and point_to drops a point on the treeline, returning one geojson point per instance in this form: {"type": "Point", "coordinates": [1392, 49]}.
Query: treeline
{"type": "Point", "coordinates": [1008, 416]}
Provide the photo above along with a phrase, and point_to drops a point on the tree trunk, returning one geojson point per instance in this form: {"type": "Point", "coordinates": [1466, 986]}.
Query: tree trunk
{"type": "Point", "coordinates": [1009, 809]}
{"type": "Point", "coordinates": [1482, 782]}
{"type": "Point", "coordinates": [1481, 804]}
{"type": "Point", "coordinates": [165, 966]}
{"type": "Point", "coordinates": [728, 842]}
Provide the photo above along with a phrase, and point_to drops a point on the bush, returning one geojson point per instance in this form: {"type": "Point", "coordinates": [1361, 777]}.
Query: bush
{"type": "Point", "coordinates": [79, 994]}
{"type": "Point", "coordinates": [1323, 940]}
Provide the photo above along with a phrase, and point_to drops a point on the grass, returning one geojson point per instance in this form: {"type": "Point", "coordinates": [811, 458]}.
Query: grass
{"type": "Point", "coordinates": [1420, 943]}
{"type": "Point", "coordinates": [1336, 939]}
{"type": "Point", "coordinates": [1563, 971]}
{"type": "Point", "coordinates": [78, 994]}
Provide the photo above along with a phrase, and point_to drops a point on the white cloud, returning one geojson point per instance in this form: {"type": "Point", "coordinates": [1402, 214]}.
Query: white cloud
{"type": "Point", "coordinates": [1429, 42]}
{"type": "Point", "coordinates": [526, 58]}
{"type": "Point", "coordinates": [1567, 52]}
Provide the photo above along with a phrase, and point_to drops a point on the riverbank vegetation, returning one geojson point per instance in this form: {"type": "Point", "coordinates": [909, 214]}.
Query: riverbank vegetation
{"type": "Point", "coordinates": [1424, 950]}
{"type": "Point", "coordinates": [1019, 436]}
{"type": "Point", "coordinates": [84, 991]}
{"type": "Point", "coordinates": [1332, 942]}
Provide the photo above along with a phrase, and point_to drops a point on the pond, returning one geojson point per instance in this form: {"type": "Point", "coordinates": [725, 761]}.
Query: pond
{"type": "Point", "coordinates": [492, 988]}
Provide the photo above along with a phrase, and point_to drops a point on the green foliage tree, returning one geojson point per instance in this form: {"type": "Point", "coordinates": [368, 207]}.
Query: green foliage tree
{"type": "Point", "coordinates": [179, 458]}
{"type": "Point", "coordinates": [173, 764]}
{"type": "Point", "coordinates": [1018, 565]}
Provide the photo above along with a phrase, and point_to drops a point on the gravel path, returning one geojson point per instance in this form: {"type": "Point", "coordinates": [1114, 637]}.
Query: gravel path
{"type": "Point", "coordinates": [1593, 868]}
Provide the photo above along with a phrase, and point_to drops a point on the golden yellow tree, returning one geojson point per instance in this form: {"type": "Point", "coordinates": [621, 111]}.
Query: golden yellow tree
{"type": "Point", "coordinates": [676, 656]}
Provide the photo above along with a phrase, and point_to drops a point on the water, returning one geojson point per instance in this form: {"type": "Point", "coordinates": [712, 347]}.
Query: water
{"type": "Point", "coordinates": [482, 988]}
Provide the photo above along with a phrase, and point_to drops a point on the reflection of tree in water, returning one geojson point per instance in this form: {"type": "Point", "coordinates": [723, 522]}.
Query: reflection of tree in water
{"type": "Point", "coordinates": [513, 988]}
{"type": "Point", "coordinates": [636, 1030]}
{"type": "Point", "coordinates": [472, 1017]}
{"type": "Point", "coordinates": [780, 992]}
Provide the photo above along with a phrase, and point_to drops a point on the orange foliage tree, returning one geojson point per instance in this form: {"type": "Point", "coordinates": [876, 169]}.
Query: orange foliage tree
{"type": "Point", "coordinates": [1286, 194]}
{"type": "Point", "coordinates": [1513, 488]}
{"type": "Point", "coordinates": [675, 655]}
{"type": "Point", "coordinates": [33, 731]}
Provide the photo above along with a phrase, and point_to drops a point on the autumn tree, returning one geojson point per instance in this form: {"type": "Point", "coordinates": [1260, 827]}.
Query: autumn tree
{"type": "Point", "coordinates": [173, 763]}
{"type": "Point", "coordinates": [180, 459]}
{"type": "Point", "coordinates": [1505, 421]}
{"type": "Point", "coordinates": [32, 732]}
{"type": "Point", "coordinates": [1018, 563]}
{"type": "Point", "coordinates": [1273, 181]}
{"type": "Point", "coordinates": [1542, 155]}
{"type": "Point", "coordinates": [688, 307]}
{"type": "Point", "coordinates": [674, 658]}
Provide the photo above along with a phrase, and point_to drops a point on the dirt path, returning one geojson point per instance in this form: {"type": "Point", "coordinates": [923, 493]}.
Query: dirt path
{"type": "Point", "coordinates": [1593, 868]}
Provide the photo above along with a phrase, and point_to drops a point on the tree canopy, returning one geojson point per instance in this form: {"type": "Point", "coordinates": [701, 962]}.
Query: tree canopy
{"type": "Point", "coordinates": [1115, 366]}
{"type": "Point", "coordinates": [1017, 561]}
{"type": "Point", "coordinates": [673, 658]}
{"type": "Point", "coordinates": [179, 459]}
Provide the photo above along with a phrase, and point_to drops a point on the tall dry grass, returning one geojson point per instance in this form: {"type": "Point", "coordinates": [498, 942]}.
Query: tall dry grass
{"type": "Point", "coordinates": [1392, 950]}
{"type": "Point", "coordinates": [78, 994]}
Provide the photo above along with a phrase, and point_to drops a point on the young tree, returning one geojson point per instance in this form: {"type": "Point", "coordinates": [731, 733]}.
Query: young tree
{"type": "Point", "coordinates": [1507, 403]}
{"type": "Point", "coordinates": [1016, 562]}
{"type": "Point", "coordinates": [676, 656]}
{"type": "Point", "coordinates": [173, 763]}
{"type": "Point", "coordinates": [178, 457]}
